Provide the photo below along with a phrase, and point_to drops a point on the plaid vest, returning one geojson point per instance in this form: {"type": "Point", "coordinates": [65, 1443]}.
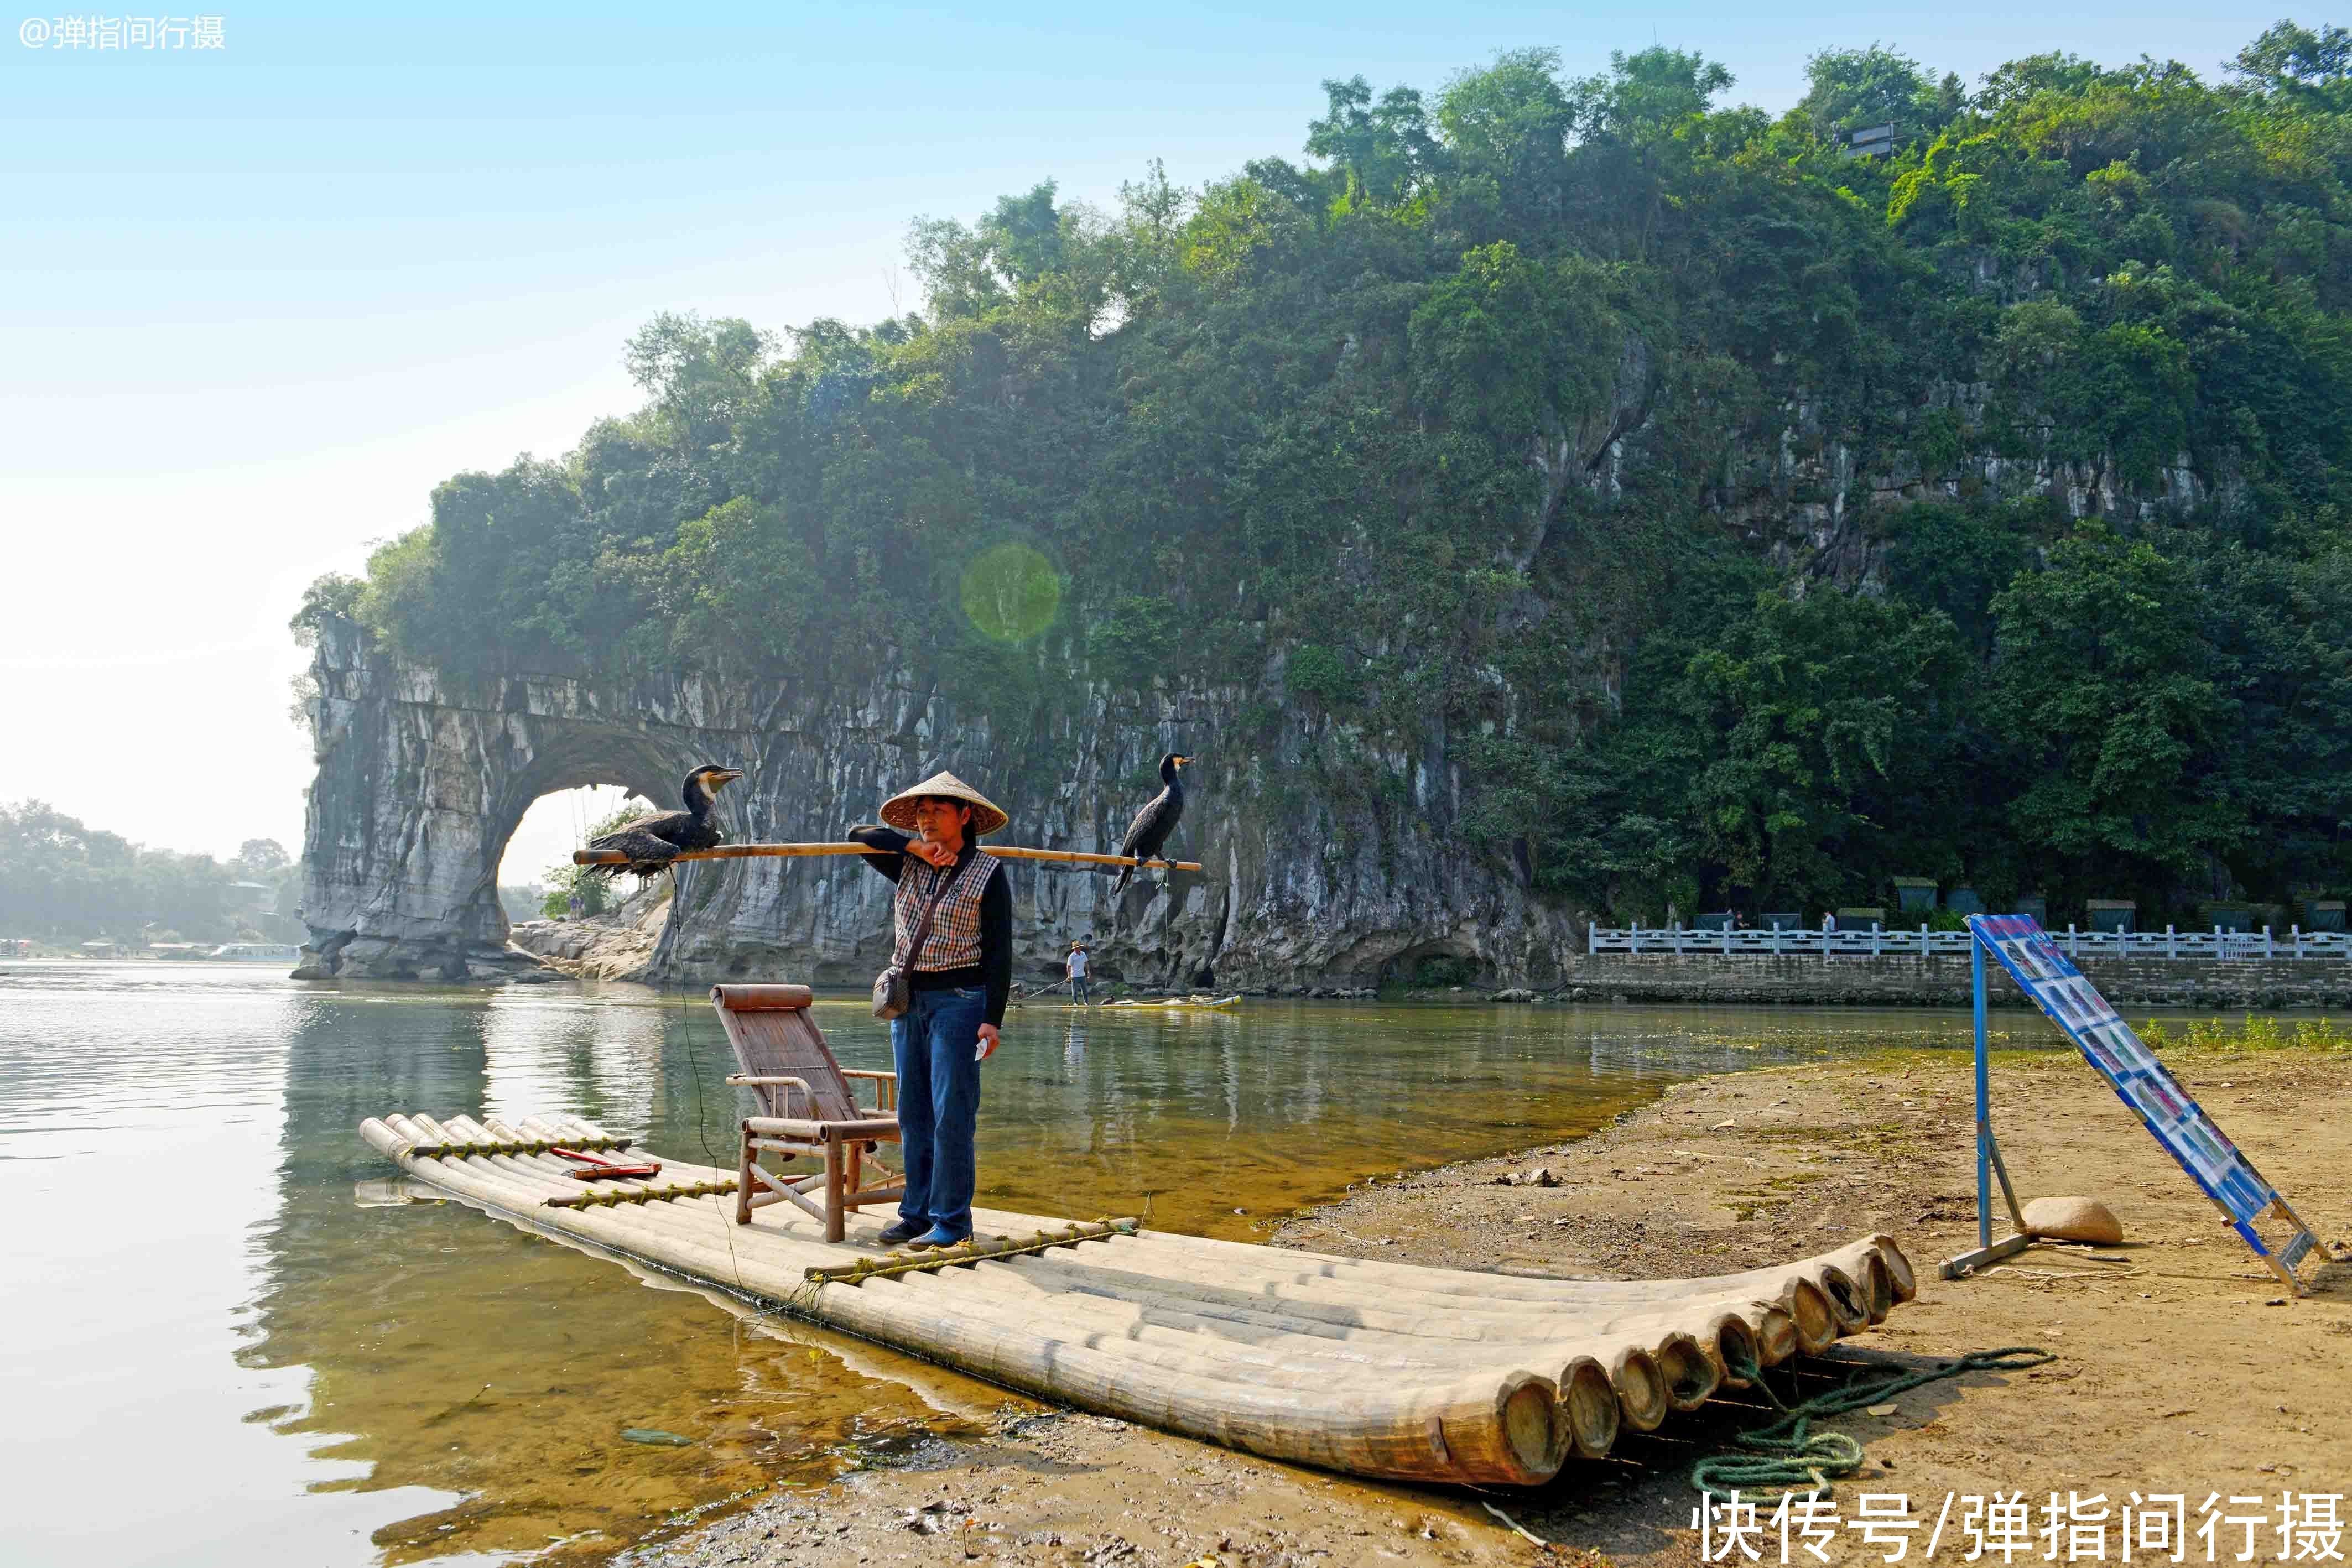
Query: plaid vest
{"type": "Point", "coordinates": [953, 940]}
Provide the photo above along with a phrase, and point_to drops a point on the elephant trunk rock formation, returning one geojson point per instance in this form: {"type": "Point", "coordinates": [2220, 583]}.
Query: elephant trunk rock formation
{"type": "Point", "coordinates": [424, 774]}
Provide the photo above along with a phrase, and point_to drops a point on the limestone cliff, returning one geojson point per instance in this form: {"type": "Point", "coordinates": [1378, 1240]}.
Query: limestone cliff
{"type": "Point", "coordinates": [423, 774]}
{"type": "Point", "coordinates": [1329, 860]}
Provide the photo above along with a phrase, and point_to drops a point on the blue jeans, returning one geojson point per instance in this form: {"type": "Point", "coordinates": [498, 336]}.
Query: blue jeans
{"type": "Point", "coordinates": [932, 1044]}
{"type": "Point", "coordinates": [1078, 989]}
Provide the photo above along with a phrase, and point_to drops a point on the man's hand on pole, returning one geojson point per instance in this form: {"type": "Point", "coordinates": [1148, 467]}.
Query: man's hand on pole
{"type": "Point", "coordinates": [987, 1042]}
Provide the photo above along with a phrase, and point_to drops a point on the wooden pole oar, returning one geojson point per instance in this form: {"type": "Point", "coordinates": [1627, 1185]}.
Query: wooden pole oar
{"type": "Point", "coordinates": [1040, 996]}
{"type": "Point", "coordinates": [769, 851]}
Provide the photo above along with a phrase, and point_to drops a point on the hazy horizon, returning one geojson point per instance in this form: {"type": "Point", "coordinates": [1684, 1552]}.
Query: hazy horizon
{"type": "Point", "coordinates": [262, 300]}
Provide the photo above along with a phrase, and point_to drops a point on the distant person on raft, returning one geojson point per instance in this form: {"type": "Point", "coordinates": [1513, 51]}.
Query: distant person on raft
{"type": "Point", "coordinates": [1077, 969]}
{"type": "Point", "coordinates": [959, 981]}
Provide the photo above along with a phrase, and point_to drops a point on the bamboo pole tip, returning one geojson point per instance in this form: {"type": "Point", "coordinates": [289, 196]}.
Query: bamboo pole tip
{"type": "Point", "coordinates": [1898, 1267]}
{"type": "Point", "coordinates": [1879, 1285]}
{"type": "Point", "coordinates": [1588, 1405]}
{"type": "Point", "coordinates": [1535, 1429]}
{"type": "Point", "coordinates": [1640, 1389]}
{"type": "Point", "coordinates": [1776, 1335]}
{"type": "Point", "coordinates": [1848, 1301]}
{"type": "Point", "coordinates": [1735, 1345]}
{"type": "Point", "coordinates": [1808, 1311]}
{"type": "Point", "coordinates": [1689, 1375]}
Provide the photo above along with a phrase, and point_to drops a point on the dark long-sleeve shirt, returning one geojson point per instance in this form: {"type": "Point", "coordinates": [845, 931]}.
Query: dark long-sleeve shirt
{"type": "Point", "coordinates": [994, 969]}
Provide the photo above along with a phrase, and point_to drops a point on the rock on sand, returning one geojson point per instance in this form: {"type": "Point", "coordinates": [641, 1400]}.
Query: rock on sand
{"type": "Point", "coordinates": [2074, 1219]}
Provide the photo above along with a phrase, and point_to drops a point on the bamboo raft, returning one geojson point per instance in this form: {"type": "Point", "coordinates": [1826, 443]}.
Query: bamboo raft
{"type": "Point", "coordinates": [1373, 1368]}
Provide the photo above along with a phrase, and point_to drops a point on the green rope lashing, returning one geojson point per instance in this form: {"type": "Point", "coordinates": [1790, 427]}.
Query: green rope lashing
{"type": "Point", "coordinates": [1789, 1455]}
{"type": "Point", "coordinates": [520, 1147]}
{"type": "Point", "coordinates": [969, 1251]}
{"type": "Point", "coordinates": [612, 1196]}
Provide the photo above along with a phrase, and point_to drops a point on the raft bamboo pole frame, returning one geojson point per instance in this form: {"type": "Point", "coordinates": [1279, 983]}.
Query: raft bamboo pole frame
{"type": "Point", "coordinates": [796, 851]}
{"type": "Point", "coordinates": [1372, 1367]}
{"type": "Point", "coordinates": [1422, 1359]}
{"type": "Point", "coordinates": [1856, 1305]}
{"type": "Point", "coordinates": [1468, 1428]}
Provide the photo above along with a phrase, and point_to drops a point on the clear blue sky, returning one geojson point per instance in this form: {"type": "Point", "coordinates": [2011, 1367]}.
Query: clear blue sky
{"type": "Point", "coordinates": [254, 302]}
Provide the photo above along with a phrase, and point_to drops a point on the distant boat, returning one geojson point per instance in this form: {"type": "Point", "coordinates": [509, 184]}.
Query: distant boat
{"type": "Point", "coordinates": [1182, 1002]}
{"type": "Point", "coordinates": [256, 953]}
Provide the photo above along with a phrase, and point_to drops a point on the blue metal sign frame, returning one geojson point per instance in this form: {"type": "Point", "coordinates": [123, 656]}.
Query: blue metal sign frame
{"type": "Point", "coordinates": [2050, 979]}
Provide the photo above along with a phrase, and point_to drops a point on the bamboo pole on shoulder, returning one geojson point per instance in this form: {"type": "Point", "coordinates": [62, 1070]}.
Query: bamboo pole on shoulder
{"type": "Point", "coordinates": [798, 851]}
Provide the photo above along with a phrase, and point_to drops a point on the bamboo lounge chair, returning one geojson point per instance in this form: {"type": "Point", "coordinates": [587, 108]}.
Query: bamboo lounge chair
{"type": "Point", "coordinates": [806, 1108]}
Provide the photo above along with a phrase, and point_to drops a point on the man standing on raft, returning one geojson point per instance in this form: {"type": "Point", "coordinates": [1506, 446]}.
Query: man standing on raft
{"type": "Point", "coordinates": [958, 982]}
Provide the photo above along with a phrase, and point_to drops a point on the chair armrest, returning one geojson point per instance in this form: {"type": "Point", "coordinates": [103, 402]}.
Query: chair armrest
{"type": "Point", "coordinates": [882, 1126]}
{"type": "Point", "coordinates": [818, 1132]}
{"type": "Point", "coordinates": [885, 1087]}
{"type": "Point", "coordinates": [783, 1127]}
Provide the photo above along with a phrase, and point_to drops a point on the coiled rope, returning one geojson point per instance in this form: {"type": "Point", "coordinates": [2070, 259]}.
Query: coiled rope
{"type": "Point", "coordinates": [1789, 1455]}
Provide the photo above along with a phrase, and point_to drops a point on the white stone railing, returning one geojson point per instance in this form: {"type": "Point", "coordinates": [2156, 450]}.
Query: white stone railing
{"type": "Point", "coordinates": [2168, 942]}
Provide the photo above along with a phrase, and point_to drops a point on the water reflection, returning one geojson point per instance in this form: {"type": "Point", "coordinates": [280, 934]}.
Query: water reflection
{"type": "Point", "coordinates": [216, 1274]}
{"type": "Point", "coordinates": [544, 1051]}
{"type": "Point", "coordinates": [139, 1166]}
{"type": "Point", "coordinates": [497, 1369]}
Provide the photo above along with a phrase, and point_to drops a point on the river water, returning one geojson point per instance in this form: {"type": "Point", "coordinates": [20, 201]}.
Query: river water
{"type": "Point", "coordinates": [227, 1337]}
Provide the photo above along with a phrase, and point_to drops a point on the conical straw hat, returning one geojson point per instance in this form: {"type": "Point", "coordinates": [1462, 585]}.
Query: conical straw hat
{"type": "Point", "coordinates": [899, 811]}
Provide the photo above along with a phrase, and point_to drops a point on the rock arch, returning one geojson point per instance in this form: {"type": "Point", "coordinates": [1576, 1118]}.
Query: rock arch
{"type": "Point", "coordinates": [423, 774]}
{"type": "Point", "coordinates": [422, 781]}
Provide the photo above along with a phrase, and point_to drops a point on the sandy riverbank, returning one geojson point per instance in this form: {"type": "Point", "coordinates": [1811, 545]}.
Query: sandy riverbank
{"type": "Point", "coordinates": [2177, 1373]}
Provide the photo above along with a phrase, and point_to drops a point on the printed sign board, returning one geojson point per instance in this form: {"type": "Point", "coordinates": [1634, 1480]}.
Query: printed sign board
{"type": "Point", "coordinates": [2055, 986]}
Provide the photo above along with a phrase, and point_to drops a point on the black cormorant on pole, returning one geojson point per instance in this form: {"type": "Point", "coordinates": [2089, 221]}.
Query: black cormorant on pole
{"type": "Point", "coordinates": [1152, 825]}
{"type": "Point", "coordinates": [651, 843]}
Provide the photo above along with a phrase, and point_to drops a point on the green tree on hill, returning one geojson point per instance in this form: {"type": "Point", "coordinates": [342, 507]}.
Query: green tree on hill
{"type": "Point", "coordinates": [1712, 492]}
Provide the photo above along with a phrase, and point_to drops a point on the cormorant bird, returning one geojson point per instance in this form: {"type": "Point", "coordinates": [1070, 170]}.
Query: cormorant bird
{"type": "Point", "coordinates": [652, 842]}
{"type": "Point", "coordinates": [1155, 821]}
